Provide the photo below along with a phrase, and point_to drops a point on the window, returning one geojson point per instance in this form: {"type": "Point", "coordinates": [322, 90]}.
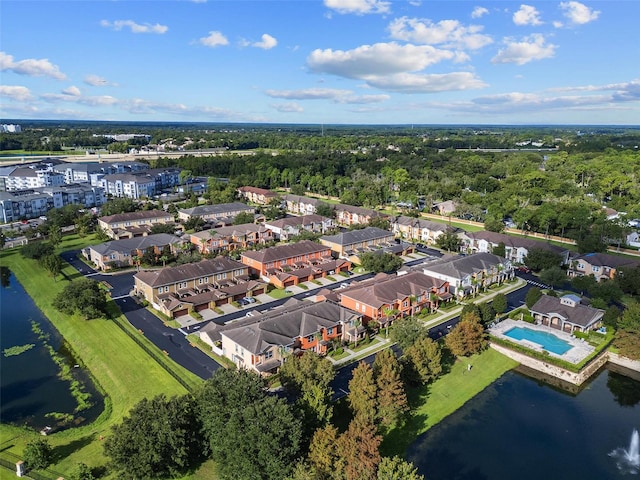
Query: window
{"type": "Point", "coordinates": [268, 355]}
{"type": "Point", "coordinates": [310, 338]}
{"type": "Point", "coordinates": [596, 269]}
{"type": "Point", "coordinates": [330, 331]}
{"type": "Point", "coordinates": [221, 276]}
{"type": "Point", "coordinates": [159, 289]}
{"type": "Point", "coordinates": [182, 285]}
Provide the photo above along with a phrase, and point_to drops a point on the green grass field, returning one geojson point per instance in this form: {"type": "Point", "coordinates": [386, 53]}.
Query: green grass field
{"type": "Point", "coordinates": [432, 403]}
{"type": "Point", "coordinates": [122, 370]}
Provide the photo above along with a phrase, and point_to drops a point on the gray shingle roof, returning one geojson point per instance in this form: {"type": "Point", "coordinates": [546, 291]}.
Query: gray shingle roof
{"type": "Point", "coordinates": [579, 314]}
{"type": "Point", "coordinates": [218, 209]}
{"type": "Point", "coordinates": [189, 271]}
{"type": "Point", "coordinates": [288, 250]}
{"type": "Point", "coordinates": [357, 236]}
{"type": "Point", "coordinates": [283, 326]}
{"type": "Point", "coordinates": [464, 266]}
{"type": "Point", "coordinates": [136, 243]}
{"type": "Point", "coordinates": [131, 216]}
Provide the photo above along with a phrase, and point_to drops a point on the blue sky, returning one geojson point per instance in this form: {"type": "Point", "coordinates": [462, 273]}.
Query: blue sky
{"type": "Point", "coordinates": [325, 61]}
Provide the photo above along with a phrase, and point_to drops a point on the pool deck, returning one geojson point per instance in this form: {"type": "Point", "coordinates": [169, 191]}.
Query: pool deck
{"type": "Point", "coordinates": [579, 348]}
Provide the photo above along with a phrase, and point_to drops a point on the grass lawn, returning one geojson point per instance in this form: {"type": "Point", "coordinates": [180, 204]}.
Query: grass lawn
{"type": "Point", "coordinates": [121, 369]}
{"type": "Point", "coordinates": [434, 402]}
{"type": "Point", "coordinates": [278, 293]}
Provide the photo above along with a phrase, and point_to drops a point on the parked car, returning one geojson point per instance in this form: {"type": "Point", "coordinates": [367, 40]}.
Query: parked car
{"type": "Point", "coordinates": [523, 269]}
{"type": "Point", "coordinates": [249, 300]}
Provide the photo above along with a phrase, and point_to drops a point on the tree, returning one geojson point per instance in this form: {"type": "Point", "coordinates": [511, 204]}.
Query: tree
{"type": "Point", "coordinates": [408, 330]}
{"type": "Point", "coordinates": [325, 210]}
{"type": "Point", "coordinates": [500, 303]}
{"type": "Point", "coordinates": [424, 359]}
{"type": "Point", "coordinates": [380, 222]}
{"type": "Point", "coordinates": [37, 454]}
{"type": "Point", "coordinates": [53, 264]}
{"type": "Point", "coordinates": [553, 276]}
{"type": "Point", "coordinates": [492, 224]}
{"type": "Point", "coordinates": [250, 434]}
{"type": "Point", "coordinates": [310, 376]}
{"type": "Point", "coordinates": [396, 468]}
{"type": "Point", "coordinates": [392, 401]}
{"type": "Point", "coordinates": [55, 235]}
{"type": "Point", "coordinates": [358, 447]}
{"type": "Point", "coordinates": [159, 438]}
{"type": "Point", "coordinates": [322, 451]}
{"type": "Point", "coordinates": [169, 228]}
{"type": "Point", "coordinates": [467, 337]}
{"type": "Point", "coordinates": [363, 393]}
{"type": "Point", "coordinates": [611, 316]}
{"type": "Point", "coordinates": [533, 295]}
{"type": "Point", "coordinates": [500, 250]}
{"type": "Point", "coordinates": [243, 217]}
{"type": "Point", "coordinates": [627, 339]}
{"type": "Point", "coordinates": [83, 296]}
{"type": "Point", "coordinates": [539, 258]}
{"type": "Point", "coordinates": [487, 312]}
{"type": "Point", "coordinates": [628, 279]}
{"type": "Point", "coordinates": [82, 472]}
{"type": "Point", "coordinates": [449, 241]}
{"type": "Point", "coordinates": [380, 262]}
{"type": "Point", "coordinates": [36, 250]}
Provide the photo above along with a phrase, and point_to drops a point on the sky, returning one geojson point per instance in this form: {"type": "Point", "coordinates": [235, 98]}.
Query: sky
{"type": "Point", "coordinates": [322, 61]}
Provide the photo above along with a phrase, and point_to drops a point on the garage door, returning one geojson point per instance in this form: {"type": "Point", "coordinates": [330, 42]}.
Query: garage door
{"type": "Point", "coordinates": [181, 313]}
{"type": "Point", "coordinates": [199, 308]}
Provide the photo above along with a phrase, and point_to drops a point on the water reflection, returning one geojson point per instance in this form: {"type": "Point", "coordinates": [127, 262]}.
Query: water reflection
{"type": "Point", "coordinates": [33, 395]}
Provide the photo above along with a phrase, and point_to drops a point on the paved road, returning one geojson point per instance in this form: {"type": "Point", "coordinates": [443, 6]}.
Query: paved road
{"type": "Point", "coordinates": [168, 339]}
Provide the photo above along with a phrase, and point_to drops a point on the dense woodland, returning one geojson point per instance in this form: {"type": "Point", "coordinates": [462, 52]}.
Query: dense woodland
{"type": "Point", "coordinates": [557, 188]}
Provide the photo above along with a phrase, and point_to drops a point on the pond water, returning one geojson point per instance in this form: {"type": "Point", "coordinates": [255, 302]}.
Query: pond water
{"type": "Point", "coordinates": [521, 428]}
{"type": "Point", "coordinates": [29, 382]}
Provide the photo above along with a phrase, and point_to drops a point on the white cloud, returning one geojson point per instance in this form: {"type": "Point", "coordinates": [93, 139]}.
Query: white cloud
{"type": "Point", "coordinates": [31, 67]}
{"type": "Point", "coordinates": [97, 81]}
{"type": "Point", "coordinates": [626, 91]}
{"type": "Point", "coordinates": [16, 92]}
{"type": "Point", "coordinates": [309, 94]}
{"type": "Point", "coordinates": [578, 13]}
{"type": "Point", "coordinates": [478, 12]}
{"type": "Point", "coordinates": [92, 101]}
{"type": "Point", "coordinates": [214, 39]}
{"type": "Point", "coordinates": [288, 108]}
{"type": "Point", "coordinates": [335, 95]}
{"type": "Point", "coordinates": [139, 106]}
{"type": "Point", "coordinates": [359, 7]}
{"type": "Point", "coordinates": [427, 83]}
{"type": "Point", "coordinates": [134, 27]}
{"type": "Point", "coordinates": [374, 60]}
{"type": "Point", "coordinates": [72, 90]}
{"type": "Point", "coordinates": [531, 48]}
{"type": "Point", "coordinates": [527, 15]}
{"type": "Point", "coordinates": [267, 42]}
{"type": "Point", "coordinates": [448, 33]}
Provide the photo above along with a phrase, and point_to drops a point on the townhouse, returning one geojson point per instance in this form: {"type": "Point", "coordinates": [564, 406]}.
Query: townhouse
{"type": "Point", "coordinates": [285, 228]}
{"type": "Point", "coordinates": [133, 224]}
{"type": "Point", "coordinates": [348, 215]}
{"type": "Point", "coordinates": [195, 287]}
{"type": "Point", "coordinates": [293, 263]}
{"type": "Point", "coordinates": [260, 196]}
{"type": "Point", "coordinates": [220, 214]}
{"type": "Point", "coordinates": [567, 313]}
{"type": "Point", "coordinates": [123, 253]}
{"type": "Point", "coordinates": [516, 248]}
{"type": "Point", "coordinates": [602, 266]}
{"type": "Point", "coordinates": [299, 205]}
{"type": "Point", "coordinates": [467, 275]}
{"type": "Point", "coordinates": [386, 297]}
{"type": "Point", "coordinates": [353, 243]}
{"type": "Point", "coordinates": [419, 229]}
{"type": "Point", "coordinates": [263, 342]}
{"type": "Point", "coordinates": [231, 238]}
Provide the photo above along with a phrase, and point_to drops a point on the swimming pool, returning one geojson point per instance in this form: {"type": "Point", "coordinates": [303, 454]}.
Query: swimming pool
{"type": "Point", "coordinates": [548, 341]}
